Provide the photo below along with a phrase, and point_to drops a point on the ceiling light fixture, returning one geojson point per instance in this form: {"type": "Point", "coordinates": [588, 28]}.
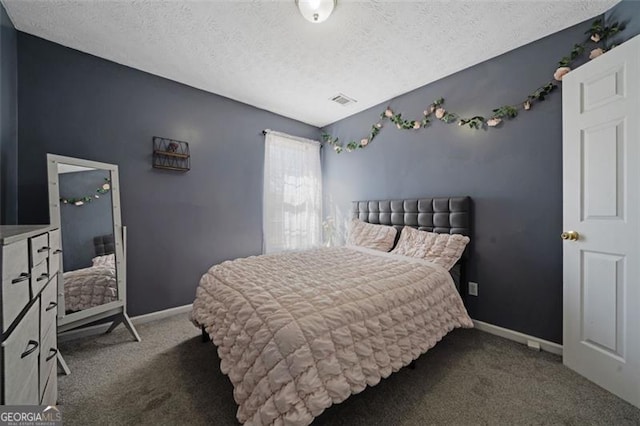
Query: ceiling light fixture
{"type": "Point", "coordinates": [316, 11]}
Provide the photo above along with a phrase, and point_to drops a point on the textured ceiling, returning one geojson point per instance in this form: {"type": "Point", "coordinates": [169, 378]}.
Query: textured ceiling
{"type": "Point", "coordinates": [265, 54]}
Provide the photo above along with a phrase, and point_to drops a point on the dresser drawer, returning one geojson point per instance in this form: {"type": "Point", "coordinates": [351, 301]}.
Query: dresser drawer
{"type": "Point", "coordinates": [49, 306]}
{"type": "Point", "coordinates": [50, 394]}
{"type": "Point", "coordinates": [20, 358]}
{"type": "Point", "coordinates": [39, 278]}
{"type": "Point", "coordinates": [55, 255]}
{"type": "Point", "coordinates": [15, 281]}
{"type": "Point", "coordinates": [39, 247]}
{"type": "Point", "coordinates": [24, 390]}
{"type": "Point", "coordinates": [48, 352]}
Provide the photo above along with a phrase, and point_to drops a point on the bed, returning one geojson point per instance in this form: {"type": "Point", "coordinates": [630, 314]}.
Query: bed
{"type": "Point", "coordinates": [96, 285]}
{"type": "Point", "coordinates": [297, 332]}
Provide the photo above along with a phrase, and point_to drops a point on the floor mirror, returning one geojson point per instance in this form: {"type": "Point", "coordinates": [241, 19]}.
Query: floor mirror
{"type": "Point", "coordinates": [84, 202]}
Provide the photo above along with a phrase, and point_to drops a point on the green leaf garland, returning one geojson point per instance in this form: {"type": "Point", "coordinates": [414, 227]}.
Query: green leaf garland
{"type": "Point", "coordinates": [81, 201]}
{"type": "Point", "coordinates": [598, 34]}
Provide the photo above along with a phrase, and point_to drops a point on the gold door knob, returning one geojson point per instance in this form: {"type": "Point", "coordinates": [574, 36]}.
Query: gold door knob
{"type": "Point", "coordinates": [570, 235]}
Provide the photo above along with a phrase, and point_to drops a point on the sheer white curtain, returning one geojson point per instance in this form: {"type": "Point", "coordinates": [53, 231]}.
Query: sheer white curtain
{"type": "Point", "coordinates": [292, 193]}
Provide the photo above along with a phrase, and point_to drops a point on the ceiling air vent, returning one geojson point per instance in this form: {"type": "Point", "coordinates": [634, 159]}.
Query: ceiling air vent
{"type": "Point", "coordinates": [343, 100]}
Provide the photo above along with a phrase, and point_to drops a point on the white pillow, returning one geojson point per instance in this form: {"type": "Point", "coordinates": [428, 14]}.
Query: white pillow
{"type": "Point", "coordinates": [378, 237]}
{"type": "Point", "coordinates": [107, 260]}
{"type": "Point", "coordinates": [441, 249]}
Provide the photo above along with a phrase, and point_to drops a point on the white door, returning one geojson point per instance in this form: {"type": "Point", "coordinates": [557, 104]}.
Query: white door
{"type": "Point", "coordinates": [601, 184]}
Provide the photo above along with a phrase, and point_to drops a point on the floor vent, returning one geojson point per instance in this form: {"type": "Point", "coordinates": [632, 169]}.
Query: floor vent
{"type": "Point", "coordinates": [343, 100]}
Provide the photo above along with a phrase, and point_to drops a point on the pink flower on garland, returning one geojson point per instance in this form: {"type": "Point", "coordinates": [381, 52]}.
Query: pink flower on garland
{"type": "Point", "coordinates": [493, 122]}
{"type": "Point", "coordinates": [440, 112]}
{"type": "Point", "coordinates": [561, 72]}
{"type": "Point", "coordinates": [595, 53]}
{"type": "Point", "coordinates": [416, 125]}
{"type": "Point", "coordinates": [364, 142]}
{"type": "Point", "coordinates": [388, 113]}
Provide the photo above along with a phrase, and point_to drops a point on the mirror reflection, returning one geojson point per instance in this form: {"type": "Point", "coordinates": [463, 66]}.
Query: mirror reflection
{"type": "Point", "coordinates": [86, 223]}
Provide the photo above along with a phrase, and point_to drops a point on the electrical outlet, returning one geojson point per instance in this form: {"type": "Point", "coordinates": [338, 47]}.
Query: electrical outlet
{"type": "Point", "coordinates": [473, 288]}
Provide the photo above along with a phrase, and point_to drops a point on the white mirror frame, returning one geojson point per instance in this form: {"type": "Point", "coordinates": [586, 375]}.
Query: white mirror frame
{"type": "Point", "coordinates": [77, 319]}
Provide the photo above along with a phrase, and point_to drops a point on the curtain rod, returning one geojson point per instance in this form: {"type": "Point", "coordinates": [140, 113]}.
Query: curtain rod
{"type": "Point", "coordinates": [298, 138]}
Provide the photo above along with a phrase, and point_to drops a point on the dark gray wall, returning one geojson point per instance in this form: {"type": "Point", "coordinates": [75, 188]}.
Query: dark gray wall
{"type": "Point", "coordinates": [8, 120]}
{"type": "Point", "coordinates": [513, 174]}
{"type": "Point", "coordinates": [179, 224]}
{"type": "Point", "coordinates": [626, 12]}
{"type": "Point", "coordinates": [80, 224]}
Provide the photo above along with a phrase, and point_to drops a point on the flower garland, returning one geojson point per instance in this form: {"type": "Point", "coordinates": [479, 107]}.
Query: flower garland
{"type": "Point", "coordinates": [598, 34]}
{"type": "Point", "coordinates": [103, 189]}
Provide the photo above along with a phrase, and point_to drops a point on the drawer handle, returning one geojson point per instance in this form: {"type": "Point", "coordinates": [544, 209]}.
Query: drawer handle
{"type": "Point", "coordinates": [53, 352]}
{"type": "Point", "coordinates": [51, 306]}
{"type": "Point", "coordinates": [43, 249]}
{"type": "Point", "coordinates": [34, 346]}
{"type": "Point", "coordinates": [23, 277]}
{"type": "Point", "coordinates": [43, 276]}
{"type": "Point", "coordinates": [58, 251]}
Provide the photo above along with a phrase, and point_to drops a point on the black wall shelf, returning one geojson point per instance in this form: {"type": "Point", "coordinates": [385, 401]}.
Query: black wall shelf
{"type": "Point", "coordinates": [170, 154]}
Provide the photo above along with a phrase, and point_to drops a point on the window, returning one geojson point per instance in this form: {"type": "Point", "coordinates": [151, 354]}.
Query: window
{"type": "Point", "coordinates": [292, 194]}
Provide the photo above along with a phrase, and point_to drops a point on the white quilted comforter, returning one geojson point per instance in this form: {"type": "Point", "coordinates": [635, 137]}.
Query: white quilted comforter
{"type": "Point", "coordinates": [300, 331]}
{"type": "Point", "coordinates": [88, 287]}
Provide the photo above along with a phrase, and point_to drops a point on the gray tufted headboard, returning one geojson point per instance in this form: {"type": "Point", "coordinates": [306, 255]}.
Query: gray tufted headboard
{"type": "Point", "coordinates": [444, 215]}
{"type": "Point", "coordinates": [447, 215]}
{"type": "Point", "coordinates": [104, 244]}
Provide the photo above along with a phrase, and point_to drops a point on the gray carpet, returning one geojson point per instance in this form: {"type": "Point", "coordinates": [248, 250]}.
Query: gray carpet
{"type": "Point", "coordinates": [471, 377]}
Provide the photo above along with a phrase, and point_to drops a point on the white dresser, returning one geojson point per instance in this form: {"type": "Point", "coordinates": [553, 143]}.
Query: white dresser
{"type": "Point", "coordinates": [30, 260]}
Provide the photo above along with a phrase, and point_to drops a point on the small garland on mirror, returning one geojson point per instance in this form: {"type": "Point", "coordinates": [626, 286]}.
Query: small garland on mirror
{"type": "Point", "coordinates": [597, 35]}
{"type": "Point", "coordinates": [81, 201]}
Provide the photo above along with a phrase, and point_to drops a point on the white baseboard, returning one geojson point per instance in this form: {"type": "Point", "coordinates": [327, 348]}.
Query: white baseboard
{"type": "Point", "coordinates": [516, 336]}
{"type": "Point", "coordinates": [140, 319]}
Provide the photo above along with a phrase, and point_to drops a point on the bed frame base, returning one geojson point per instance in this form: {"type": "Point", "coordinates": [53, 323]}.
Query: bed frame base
{"type": "Point", "coordinates": [205, 335]}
